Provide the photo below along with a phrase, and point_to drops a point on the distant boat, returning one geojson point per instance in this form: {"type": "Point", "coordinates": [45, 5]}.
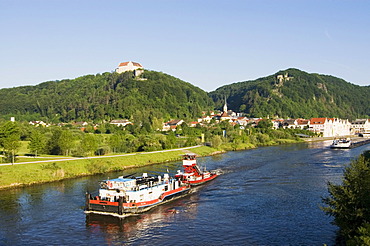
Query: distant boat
{"type": "Point", "coordinates": [344, 143]}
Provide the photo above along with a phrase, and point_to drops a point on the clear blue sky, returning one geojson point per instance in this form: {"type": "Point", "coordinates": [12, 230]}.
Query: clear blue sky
{"type": "Point", "coordinates": [207, 43]}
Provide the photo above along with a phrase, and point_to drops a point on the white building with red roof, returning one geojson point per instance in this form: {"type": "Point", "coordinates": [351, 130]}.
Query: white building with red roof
{"type": "Point", "coordinates": [130, 66]}
{"type": "Point", "coordinates": [330, 127]}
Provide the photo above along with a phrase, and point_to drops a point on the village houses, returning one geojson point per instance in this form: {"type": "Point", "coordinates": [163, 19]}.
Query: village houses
{"type": "Point", "coordinates": [361, 126]}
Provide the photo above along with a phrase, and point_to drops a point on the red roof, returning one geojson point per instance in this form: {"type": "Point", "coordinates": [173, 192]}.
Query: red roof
{"type": "Point", "coordinates": [302, 122]}
{"type": "Point", "coordinates": [225, 115]}
{"type": "Point", "coordinates": [122, 64]}
{"type": "Point", "coordinates": [317, 121]}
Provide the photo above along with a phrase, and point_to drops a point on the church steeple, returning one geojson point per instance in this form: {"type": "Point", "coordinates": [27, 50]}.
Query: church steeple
{"type": "Point", "coordinates": [225, 106]}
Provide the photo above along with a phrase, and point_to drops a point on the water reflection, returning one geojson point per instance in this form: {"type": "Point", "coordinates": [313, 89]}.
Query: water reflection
{"type": "Point", "coordinates": [266, 196]}
{"type": "Point", "coordinates": [140, 226]}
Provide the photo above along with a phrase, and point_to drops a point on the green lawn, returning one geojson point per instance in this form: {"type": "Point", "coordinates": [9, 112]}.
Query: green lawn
{"type": "Point", "coordinates": [26, 174]}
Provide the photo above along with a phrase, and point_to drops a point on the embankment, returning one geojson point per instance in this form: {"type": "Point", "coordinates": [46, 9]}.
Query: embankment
{"type": "Point", "coordinates": [35, 173]}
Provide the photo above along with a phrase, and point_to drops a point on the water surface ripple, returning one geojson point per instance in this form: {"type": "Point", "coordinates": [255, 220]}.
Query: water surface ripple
{"type": "Point", "coordinates": [267, 196]}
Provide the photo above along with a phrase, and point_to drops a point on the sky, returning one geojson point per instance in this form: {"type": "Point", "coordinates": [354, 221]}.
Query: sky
{"type": "Point", "coordinates": [208, 43]}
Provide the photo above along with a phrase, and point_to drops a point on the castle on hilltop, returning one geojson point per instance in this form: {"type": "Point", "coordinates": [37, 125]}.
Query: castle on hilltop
{"type": "Point", "coordinates": [130, 66]}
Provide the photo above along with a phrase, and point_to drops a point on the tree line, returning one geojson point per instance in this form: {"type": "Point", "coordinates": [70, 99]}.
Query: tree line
{"type": "Point", "coordinates": [71, 141]}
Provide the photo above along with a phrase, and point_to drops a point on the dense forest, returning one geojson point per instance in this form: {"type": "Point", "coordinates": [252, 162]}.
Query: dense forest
{"type": "Point", "coordinates": [296, 94]}
{"type": "Point", "coordinates": [106, 96]}
{"type": "Point", "coordinates": [156, 96]}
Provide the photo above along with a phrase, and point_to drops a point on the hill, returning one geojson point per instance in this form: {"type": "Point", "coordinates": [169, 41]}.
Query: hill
{"type": "Point", "coordinates": [294, 93]}
{"type": "Point", "coordinates": [106, 96]}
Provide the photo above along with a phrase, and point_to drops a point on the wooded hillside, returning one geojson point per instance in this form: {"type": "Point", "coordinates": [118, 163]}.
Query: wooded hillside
{"type": "Point", "coordinates": [106, 96]}
{"type": "Point", "coordinates": [298, 94]}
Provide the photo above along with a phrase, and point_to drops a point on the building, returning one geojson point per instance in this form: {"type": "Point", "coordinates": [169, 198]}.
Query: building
{"type": "Point", "coordinates": [360, 126]}
{"type": "Point", "coordinates": [121, 122]}
{"type": "Point", "coordinates": [130, 66]}
{"type": "Point", "coordinates": [330, 127]}
{"type": "Point", "coordinates": [172, 125]}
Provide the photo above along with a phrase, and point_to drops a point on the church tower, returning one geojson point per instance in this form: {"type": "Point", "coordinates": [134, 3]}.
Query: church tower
{"type": "Point", "coordinates": [225, 106]}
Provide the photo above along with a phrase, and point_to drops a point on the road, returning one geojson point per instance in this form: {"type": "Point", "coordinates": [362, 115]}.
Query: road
{"type": "Point", "coordinates": [96, 157]}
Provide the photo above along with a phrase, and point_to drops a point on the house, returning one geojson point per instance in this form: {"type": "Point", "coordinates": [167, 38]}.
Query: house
{"type": "Point", "coordinates": [121, 122]}
{"type": "Point", "coordinates": [330, 127]}
{"type": "Point", "coordinates": [225, 117]}
{"type": "Point", "coordinates": [171, 125]}
{"type": "Point", "coordinates": [205, 119]}
{"type": "Point", "coordinates": [130, 66]}
{"type": "Point", "coordinates": [277, 123]}
{"type": "Point", "coordinates": [290, 124]}
{"type": "Point", "coordinates": [360, 126]}
{"type": "Point", "coordinates": [302, 123]}
{"type": "Point", "coordinates": [243, 121]}
{"type": "Point", "coordinates": [38, 123]}
{"type": "Point", "coordinates": [80, 123]}
{"type": "Point", "coordinates": [193, 123]}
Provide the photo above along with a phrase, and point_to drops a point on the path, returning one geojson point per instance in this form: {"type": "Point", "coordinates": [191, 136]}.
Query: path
{"type": "Point", "coordinates": [106, 156]}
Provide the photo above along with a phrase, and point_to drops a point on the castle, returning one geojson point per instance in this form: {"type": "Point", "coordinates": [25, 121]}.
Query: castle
{"type": "Point", "coordinates": [130, 66]}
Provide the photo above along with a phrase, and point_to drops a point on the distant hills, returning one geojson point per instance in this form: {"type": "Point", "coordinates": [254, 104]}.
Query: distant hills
{"type": "Point", "coordinates": [294, 93]}
{"type": "Point", "coordinates": [106, 96]}
{"type": "Point", "coordinates": [158, 96]}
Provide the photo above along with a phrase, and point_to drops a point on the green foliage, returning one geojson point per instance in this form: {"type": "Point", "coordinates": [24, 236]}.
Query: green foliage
{"type": "Point", "coordinates": [89, 144]}
{"type": "Point", "coordinates": [10, 140]}
{"type": "Point", "coordinates": [216, 141]}
{"type": "Point", "coordinates": [37, 143]}
{"type": "Point", "coordinates": [97, 166]}
{"type": "Point", "coordinates": [349, 202]}
{"type": "Point", "coordinates": [107, 96]}
{"type": "Point", "coordinates": [302, 95]}
{"type": "Point", "coordinates": [265, 123]}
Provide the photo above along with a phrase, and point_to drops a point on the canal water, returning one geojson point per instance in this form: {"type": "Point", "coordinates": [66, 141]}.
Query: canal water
{"type": "Point", "coordinates": [266, 196]}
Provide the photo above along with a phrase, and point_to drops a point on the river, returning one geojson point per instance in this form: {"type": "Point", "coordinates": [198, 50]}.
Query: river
{"type": "Point", "coordinates": [266, 196]}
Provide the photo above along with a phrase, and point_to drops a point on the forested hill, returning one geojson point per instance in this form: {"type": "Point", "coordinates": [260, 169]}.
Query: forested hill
{"type": "Point", "coordinates": [296, 94]}
{"type": "Point", "coordinates": [106, 96]}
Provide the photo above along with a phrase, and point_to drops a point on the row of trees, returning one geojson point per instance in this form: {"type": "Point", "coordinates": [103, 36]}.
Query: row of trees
{"type": "Point", "coordinates": [134, 138]}
{"type": "Point", "coordinates": [349, 203]}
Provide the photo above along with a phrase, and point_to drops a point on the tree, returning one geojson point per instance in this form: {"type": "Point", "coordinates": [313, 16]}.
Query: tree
{"type": "Point", "coordinates": [349, 202]}
{"type": "Point", "coordinates": [89, 143]}
{"type": "Point", "coordinates": [66, 142]}
{"type": "Point", "coordinates": [216, 141]}
{"type": "Point", "coordinates": [37, 142]}
{"type": "Point", "coordinates": [9, 139]}
{"type": "Point", "coordinates": [265, 124]}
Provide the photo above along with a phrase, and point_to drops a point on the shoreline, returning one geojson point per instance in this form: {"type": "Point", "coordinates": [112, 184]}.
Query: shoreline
{"type": "Point", "coordinates": [39, 172]}
{"type": "Point", "coordinates": [32, 173]}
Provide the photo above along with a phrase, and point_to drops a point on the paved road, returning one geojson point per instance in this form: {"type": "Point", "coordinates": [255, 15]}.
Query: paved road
{"type": "Point", "coordinates": [95, 157]}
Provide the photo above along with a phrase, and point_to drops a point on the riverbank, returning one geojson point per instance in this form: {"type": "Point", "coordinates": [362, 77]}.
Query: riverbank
{"type": "Point", "coordinates": [55, 170]}
{"type": "Point", "coordinates": [37, 172]}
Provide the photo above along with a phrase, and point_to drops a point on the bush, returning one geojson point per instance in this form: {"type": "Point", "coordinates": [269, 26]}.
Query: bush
{"type": "Point", "coordinates": [349, 202]}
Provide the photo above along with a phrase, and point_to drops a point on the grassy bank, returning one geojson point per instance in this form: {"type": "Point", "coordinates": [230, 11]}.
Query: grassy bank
{"type": "Point", "coordinates": [33, 173]}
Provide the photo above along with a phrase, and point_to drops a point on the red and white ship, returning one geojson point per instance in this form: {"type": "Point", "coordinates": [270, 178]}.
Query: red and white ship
{"type": "Point", "coordinates": [193, 174]}
{"type": "Point", "coordinates": [127, 196]}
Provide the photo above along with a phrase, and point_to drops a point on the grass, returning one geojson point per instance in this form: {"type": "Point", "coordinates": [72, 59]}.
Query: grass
{"type": "Point", "coordinates": [23, 149]}
{"type": "Point", "coordinates": [27, 174]}
{"type": "Point", "coordinates": [33, 173]}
